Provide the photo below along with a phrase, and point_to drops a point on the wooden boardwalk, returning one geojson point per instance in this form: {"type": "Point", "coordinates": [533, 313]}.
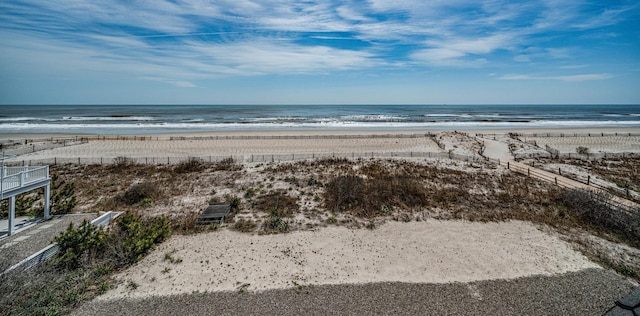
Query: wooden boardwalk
{"type": "Point", "coordinates": [499, 152]}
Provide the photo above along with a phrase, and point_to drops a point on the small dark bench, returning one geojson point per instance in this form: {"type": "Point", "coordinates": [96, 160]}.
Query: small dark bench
{"type": "Point", "coordinates": [216, 212]}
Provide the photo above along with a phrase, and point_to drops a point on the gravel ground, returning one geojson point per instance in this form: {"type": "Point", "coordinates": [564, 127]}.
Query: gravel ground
{"type": "Point", "coordinates": [587, 292]}
{"type": "Point", "coordinates": [27, 242]}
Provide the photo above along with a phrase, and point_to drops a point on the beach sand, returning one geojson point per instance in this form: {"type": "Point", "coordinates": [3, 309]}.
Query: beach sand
{"type": "Point", "coordinates": [247, 143]}
{"type": "Point", "coordinates": [416, 252]}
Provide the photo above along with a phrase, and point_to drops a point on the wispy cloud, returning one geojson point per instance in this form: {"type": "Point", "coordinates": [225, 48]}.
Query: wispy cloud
{"type": "Point", "coordinates": [568, 78]}
{"type": "Point", "coordinates": [188, 40]}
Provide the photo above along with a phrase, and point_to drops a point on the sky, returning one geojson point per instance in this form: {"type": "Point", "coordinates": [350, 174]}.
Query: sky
{"type": "Point", "coordinates": [319, 52]}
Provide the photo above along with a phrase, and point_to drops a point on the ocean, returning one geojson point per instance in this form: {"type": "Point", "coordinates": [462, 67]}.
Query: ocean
{"type": "Point", "coordinates": [152, 119]}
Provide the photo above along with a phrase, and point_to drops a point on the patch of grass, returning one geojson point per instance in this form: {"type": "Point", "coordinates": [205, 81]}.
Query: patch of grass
{"type": "Point", "coordinates": [244, 225]}
{"type": "Point", "coordinates": [251, 192]}
{"type": "Point", "coordinates": [627, 271]}
{"type": "Point", "coordinates": [275, 224]}
{"type": "Point", "coordinates": [168, 256]}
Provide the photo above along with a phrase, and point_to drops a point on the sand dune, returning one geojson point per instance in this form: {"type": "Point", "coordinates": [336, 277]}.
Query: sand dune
{"type": "Point", "coordinates": [416, 252]}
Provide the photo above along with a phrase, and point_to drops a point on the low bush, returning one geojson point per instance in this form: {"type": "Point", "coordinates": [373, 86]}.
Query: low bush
{"type": "Point", "coordinates": [278, 200]}
{"type": "Point", "coordinates": [374, 197]}
{"type": "Point", "coordinates": [139, 192]}
{"type": "Point", "coordinates": [190, 165]}
{"type": "Point", "coordinates": [227, 164]}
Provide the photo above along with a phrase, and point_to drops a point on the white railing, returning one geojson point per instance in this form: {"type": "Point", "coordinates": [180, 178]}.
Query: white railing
{"type": "Point", "coordinates": [16, 177]}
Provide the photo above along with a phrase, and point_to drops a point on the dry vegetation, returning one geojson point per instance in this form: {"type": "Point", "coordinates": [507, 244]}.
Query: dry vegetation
{"type": "Point", "coordinates": [313, 193]}
{"type": "Point", "coordinates": [625, 173]}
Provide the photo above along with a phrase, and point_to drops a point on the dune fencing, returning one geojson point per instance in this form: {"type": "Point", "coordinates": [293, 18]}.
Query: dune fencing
{"type": "Point", "coordinates": [256, 158]}
{"type": "Point", "coordinates": [555, 154]}
{"type": "Point", "coordinates": [518, 135]}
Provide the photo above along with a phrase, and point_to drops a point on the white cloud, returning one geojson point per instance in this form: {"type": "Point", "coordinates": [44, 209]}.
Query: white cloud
{"type": "Point", "coordinates": [461, 51]}
{"type": "Point", "coordinates": [277, 57]}
{"type": "Point", "coordinates": [191, 39]}
{"type": "Point", "coordinates": [348, 13]}
{"type": "Point", "coordinates": [567, 78]}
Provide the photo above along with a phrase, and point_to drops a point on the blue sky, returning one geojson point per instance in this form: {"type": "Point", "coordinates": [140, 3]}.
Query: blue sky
{"type": "Point", "coordinates": [319, 52]}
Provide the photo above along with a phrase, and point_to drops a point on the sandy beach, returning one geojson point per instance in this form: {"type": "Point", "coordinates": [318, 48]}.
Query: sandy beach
{"type": "Point", "coordinates": [243, 144]}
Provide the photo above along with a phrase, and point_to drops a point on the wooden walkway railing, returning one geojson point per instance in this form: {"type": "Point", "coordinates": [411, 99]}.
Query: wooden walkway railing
{"type": "Point", "coordinates": [561, 181]}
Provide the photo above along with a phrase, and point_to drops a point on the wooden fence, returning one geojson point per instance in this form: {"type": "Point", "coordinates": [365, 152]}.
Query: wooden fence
{"type": "Point", "coordinates": [246, 158]}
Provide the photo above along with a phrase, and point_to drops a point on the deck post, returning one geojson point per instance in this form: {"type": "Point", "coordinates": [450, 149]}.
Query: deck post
{"type": "Point", "coordinates": [12, 215]}
{"type": "Point", "coordinates": [47, 195]}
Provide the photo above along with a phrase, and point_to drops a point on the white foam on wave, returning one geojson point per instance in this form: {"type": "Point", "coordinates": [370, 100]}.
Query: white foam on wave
{"type": "Point", "coordinates": [373, 117]}
{"type": "Point", "coordinates": [108, 118]}
{"type": "Point", "coordinates": [26, 119]}
{"type": "Point", "coordinates": [337, 124]}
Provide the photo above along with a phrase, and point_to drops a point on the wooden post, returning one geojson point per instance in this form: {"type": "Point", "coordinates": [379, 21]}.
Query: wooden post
{"type": "Point", "coordinates": [508, 165]}
{"type": "Point", "coordinates": [559, 171]}
{"type": "Point", "coordinates": [556, 180]}
{"type": "Point", "coordinates": [12, 215]}
{"type": "Point", "coordinates": [529, 172]}
{"type": "Point", "coordinates": [588, 179]}
{"type": "Point", "coordinates": [47, 197]}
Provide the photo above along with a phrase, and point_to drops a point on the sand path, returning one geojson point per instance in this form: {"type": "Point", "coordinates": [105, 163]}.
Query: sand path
{"type": "Point", "coordinates": [415, 252]}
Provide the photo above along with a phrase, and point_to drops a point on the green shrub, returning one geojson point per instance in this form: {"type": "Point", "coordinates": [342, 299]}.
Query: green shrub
{"type": "Point", "coordinates": [234, 201]}
{"type": "Point", "coordinates": [138, 237]}
{"type": "Point", "coordinates": [79, 245]}
{"type": "Point", "coordinates": [63, 198]}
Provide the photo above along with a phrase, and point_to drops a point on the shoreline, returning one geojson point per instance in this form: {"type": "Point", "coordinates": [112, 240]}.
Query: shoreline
{"type": "Point", "coordinates": [326, 132]}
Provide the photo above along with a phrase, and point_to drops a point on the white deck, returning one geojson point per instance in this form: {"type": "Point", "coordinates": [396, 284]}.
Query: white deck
{"type": "Point", "coordinates": [14, 180]}
{"type": "Point", "coordinates": [17, 180]}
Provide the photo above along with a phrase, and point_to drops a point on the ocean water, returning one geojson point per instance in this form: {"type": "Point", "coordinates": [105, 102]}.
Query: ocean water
{"type": "Point", "coordinates": [150, 119]}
